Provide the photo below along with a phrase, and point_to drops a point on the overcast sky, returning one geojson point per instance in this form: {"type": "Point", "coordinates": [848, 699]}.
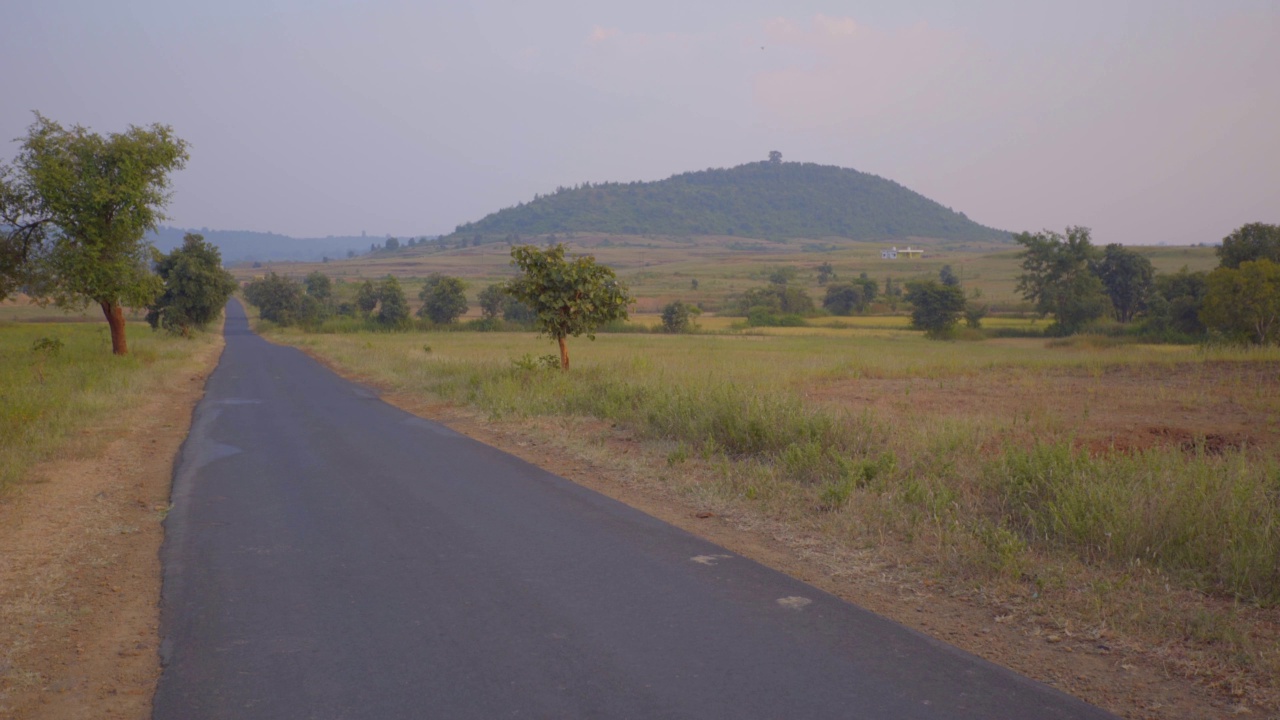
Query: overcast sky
{"type": "Point", "coordinates": [1149, 121]}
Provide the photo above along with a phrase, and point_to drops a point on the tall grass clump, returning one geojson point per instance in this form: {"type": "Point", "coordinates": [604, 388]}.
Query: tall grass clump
{"type": "Point", "coordinates": [1213, 520]}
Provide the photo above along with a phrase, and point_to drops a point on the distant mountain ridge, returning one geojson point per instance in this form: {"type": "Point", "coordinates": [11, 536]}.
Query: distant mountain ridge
{"type": "Point", "coordinates": [249, 246]}
{"type": "Point", "coordinates": [771, 200]}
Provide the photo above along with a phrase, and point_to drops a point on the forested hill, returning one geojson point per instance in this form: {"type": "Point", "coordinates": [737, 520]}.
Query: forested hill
{"type": "Point", "coordinates": [760, 200]}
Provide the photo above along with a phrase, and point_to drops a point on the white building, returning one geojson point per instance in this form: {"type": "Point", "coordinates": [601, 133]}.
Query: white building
{"type": "Point", "coordinates": [910, 253]}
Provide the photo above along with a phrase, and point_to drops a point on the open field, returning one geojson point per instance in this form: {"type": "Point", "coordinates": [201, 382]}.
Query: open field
{"type": "Point", "coordinates": [661, 269]}
{"type": "Point", "coordinates": [1111, 500]}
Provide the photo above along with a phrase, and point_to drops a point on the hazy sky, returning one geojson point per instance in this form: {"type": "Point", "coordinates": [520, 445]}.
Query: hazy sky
{"type": "Point", "coordinates": [1147, 121]}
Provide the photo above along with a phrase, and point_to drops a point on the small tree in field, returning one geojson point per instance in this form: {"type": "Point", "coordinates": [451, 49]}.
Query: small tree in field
{"type": "Point", "coordinates": [677, 317]}
{"type": "Point", "coordinates": [570, 297]}
{"type": "Point", "coordinates": [936, 308]}
{"type": "Point", "coordinates": [74, 212]}
{"type": "Point", "coordinates": [393, 307]}
{"type": "Point", "coordinates": [444, 299]}
{"type": "Point", "coordinates": [195, 287]}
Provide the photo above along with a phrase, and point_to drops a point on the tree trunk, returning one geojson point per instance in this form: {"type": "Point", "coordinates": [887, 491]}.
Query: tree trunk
{"type": "Point", "coordinates": [564, 355]}
{"type": "Point", "coordinates": [115, 318]}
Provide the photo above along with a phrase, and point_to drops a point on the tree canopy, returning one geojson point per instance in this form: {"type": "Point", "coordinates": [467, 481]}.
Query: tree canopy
{"type": "Point", "coordinates": [1128, 278]}
{"type": "Point", "coordinates": [570, 297]}
{"type": "Point", "coordinates": [1255, 241]}
{"type": "Point", "coordinates": [936, 307]}
{"type": "Point", "coordinates": [195, 287]}
{"type": "Point", "coordinates": [444, 299]}
{"type": "Point", "coordinates": [77, 207]}
{"type": "Point", "coordinates": [1058, 276]}
{"type": "Point", "coordinates": [1244, 302]}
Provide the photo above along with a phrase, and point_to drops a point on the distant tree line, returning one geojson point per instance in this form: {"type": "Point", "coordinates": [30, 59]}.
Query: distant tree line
{"type": "Point", "coordinates": [1066, 276]}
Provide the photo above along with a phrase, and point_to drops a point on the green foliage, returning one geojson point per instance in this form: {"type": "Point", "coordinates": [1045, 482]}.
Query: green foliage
{"type": "Point", "coordinates": [570, 297]}
{"type": "Point", "coordinates": [492, 298]}
{"type": "Point", "coordinates": [761, 200]}
{"type": "Point", "coordinates": [774, 298]}
{"type": "Point", "coordinates": [366, 298]}
{"type": "Point", "coordinates": [1058, 277]}
{"type": "Point", "coordinates": [848, 298]}
{"type": "Point", "coordinates": [936, 308]}
{"type": "Point", "coordinates": [278, 299]}
{"type": "Point", "coordinates": [826, 273]}
{"type": "Point", "coordinates": [392, 244]}
{"type": "Point", "coordinates": [1244, 303]}
{"type": "Point", "coordinates": [319, 286]}
{"type": "Point", "coordinates": [1175, 303]}
{"type": "Point", "coordinates": [195, 287]}
{"type": "Point", "coordinates": [1255, 241]}
{"type": "Point", "coordinates": [1152, 506]}
{"type": "Point", "coordinates": [677, 316]}
{"type": "Point", "coordinates": [393, 306]}
{"type": "Point", "coordinates": [1128, 278]}
{"type": "Point", "coordinates": [974, 313]}
{"type": "Point", "coordinates": [78, 207]}
{"type": "Point", "coordinates": [529, 363]}
{"type": "Point", "coordinates": [444, 299]}
{"type": "Point", "coordinates": [947, 276]}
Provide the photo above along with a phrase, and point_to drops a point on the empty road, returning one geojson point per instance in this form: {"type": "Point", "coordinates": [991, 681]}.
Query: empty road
{"type": "Point", "coordinates": [329, 556]}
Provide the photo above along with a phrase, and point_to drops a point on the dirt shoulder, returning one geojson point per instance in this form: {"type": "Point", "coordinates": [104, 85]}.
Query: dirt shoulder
{"type": "Point", "coordinates": [80, 565]}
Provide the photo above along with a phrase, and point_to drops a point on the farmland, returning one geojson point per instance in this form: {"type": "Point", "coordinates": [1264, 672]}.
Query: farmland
{"type": "Point", "coordinates": [1101, 494]}
{"type": "Point", "coordinates": [660, 269]}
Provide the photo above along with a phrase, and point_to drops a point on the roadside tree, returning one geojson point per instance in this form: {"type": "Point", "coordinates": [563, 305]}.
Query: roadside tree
{"type": "Point", "coordinates": [195, 287]}
{"type": "Point", "coordinates": [570, 297]}
{"type": "Point", "coordinates": [83, 204]}
{"type": "Point", "coordinates": [278, 299]}
{"type": "Point", "coordinates": [444, 299]}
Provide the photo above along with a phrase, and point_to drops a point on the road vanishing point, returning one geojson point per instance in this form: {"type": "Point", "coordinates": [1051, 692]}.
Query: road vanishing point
{"type": "Point", "coordinates": [329, 556]}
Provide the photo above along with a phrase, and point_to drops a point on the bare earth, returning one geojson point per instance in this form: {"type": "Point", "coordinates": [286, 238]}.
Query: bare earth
{"type": "Point", "coordinates": [80, 566]}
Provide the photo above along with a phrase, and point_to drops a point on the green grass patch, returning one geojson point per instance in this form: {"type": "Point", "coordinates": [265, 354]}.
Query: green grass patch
{"type": "Point", "coordinates": [57, 379]}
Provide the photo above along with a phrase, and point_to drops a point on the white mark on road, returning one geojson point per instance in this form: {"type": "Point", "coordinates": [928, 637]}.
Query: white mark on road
{"type": "Point", "coordinates": [794, 602]}
{"type": "Point", "coordinates": [709, 559]}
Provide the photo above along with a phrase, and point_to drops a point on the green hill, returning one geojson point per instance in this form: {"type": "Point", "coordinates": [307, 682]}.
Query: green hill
{"type": "Point", "coordinates": [758, 200]}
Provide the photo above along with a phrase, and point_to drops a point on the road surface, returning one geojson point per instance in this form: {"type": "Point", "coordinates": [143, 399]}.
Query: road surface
{"type": "Point", "coordinates": [329, 556]}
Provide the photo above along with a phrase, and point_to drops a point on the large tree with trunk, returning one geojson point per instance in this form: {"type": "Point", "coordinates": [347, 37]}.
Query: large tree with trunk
{"type": "Point", "coordinates": [569, 297]}
{"type": "Point", "coordinates": [75, 209]}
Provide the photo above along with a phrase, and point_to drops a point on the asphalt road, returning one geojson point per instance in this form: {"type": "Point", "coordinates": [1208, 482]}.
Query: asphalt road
{"type": "Point", "coordinates": [331, 556]}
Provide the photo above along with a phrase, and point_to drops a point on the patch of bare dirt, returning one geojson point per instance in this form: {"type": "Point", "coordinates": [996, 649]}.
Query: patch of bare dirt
{"type": "Point", "coordinates": [1210, 407]}
{"type": "Point", "coordinates": [80, 565]}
